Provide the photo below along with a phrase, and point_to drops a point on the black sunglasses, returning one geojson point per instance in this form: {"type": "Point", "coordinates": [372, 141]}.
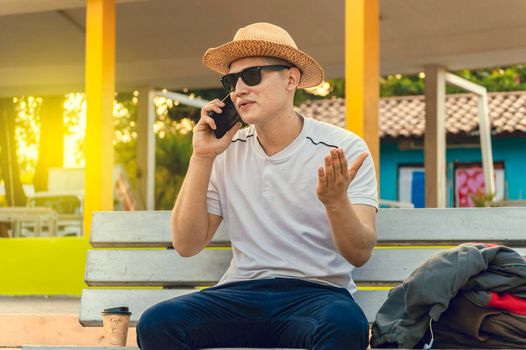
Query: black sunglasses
{"type": "Point", "coordinates": [250, 76]}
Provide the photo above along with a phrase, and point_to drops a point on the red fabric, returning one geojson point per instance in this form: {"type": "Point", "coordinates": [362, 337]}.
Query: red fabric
{"type": "Point", "coordinates": [489, 245]}
{"type": "Point", "coordinates": [508, 302]}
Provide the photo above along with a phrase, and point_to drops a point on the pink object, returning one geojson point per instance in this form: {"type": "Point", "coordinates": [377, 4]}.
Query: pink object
{"type": "Point", "coordinates": [469, 182]}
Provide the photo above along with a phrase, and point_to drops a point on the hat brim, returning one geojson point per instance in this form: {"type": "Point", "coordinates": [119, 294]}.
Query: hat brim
{"type": "Point", "coordinates": [219, 58]}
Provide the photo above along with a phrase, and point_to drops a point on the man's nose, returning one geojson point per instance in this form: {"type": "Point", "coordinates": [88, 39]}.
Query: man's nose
{"type": "Point", "coordinates": [241, 87]}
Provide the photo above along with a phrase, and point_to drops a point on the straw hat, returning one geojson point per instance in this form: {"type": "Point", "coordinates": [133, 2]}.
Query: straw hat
{"type": "Point", "coordinates": [264, 39]}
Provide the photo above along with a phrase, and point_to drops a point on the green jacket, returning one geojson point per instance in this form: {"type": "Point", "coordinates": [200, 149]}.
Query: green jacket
{"type": "Point", "coordinates": [474, 268]}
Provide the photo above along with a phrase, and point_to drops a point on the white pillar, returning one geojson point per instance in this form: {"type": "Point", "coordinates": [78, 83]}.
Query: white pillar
{"type": "Point", "coordinates": [435, 137]}
{"type": "Point", "coordinates": [485, 144]}
{"type": "Point", "coordinates": [146, 149]}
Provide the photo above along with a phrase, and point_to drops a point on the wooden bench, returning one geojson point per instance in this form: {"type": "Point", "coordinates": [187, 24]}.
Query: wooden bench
{"type": "Point", "coordinates": [406, 238]}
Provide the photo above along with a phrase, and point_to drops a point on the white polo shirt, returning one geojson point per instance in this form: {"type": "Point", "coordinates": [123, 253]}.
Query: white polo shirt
{"type": "Point", "coordinates": [277, 225]}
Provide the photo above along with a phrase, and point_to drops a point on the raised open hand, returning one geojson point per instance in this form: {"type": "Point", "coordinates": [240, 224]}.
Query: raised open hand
{"type": "Point", "coordinates": [334, 177]}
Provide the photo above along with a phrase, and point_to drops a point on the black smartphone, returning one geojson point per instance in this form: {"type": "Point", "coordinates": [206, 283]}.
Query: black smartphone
{"type": "Point", "coordinates": [226, 119]}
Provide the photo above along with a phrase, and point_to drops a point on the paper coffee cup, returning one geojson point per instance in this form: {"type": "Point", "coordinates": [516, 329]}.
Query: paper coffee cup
{"type": "Point", "coordinates": [116, 321]}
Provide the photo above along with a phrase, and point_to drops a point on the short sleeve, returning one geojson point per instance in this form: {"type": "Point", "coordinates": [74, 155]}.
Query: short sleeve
{"type": "Point", "coordinates": [213, 200]}
{"type": "Point", "coordinates": [363, 189]}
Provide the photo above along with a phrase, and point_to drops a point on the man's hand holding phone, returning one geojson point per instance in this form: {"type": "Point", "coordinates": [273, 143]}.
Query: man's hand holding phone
{"type": "Point", "coordinates": [214, 123]}
{"type": "Point", "coordinates": [226, 119]}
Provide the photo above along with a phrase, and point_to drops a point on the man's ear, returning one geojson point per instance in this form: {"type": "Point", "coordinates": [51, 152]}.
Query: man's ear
{"type": "Point", "coordinates": [294, 77]}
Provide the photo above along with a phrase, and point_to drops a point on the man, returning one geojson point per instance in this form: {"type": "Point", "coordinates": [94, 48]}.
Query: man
{"type": "Point", "coordinates": [298, 217]}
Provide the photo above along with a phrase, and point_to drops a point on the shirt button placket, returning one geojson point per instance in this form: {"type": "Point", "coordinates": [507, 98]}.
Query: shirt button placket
{"type": "Point", "coordinates": [267, 185]}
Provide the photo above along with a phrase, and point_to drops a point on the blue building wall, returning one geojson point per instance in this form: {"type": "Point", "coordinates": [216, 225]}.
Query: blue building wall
{"type": "Point", "coordinates": [511, 151]}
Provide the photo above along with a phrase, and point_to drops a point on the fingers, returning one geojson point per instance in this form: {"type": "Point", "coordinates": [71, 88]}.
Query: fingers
{"type": "Point", "coordinates": [357, 164]}
{"type": "Point", "coordinates": [334, 177]}
{"type": "Point", "coordinates": [336, 164]}
{"type": "Point", "coordinates": [322, 179]}
{"type": "Point", "coordinates": [205, 123]}
{"type": "Point", "coordinates": [342, 163]}
{"type": "Point", "coordinates": [329, 170]}
{"type": "Point", "coordinates": [212, 106]}
{"type": "Point", "coordinates": [230, 133]}
{"type": "Point", "coordinates": [336, 168]}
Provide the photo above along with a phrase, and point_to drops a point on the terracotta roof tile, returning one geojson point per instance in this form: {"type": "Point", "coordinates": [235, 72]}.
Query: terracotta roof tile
{"type": "Point", "coordinates": [404, 116]}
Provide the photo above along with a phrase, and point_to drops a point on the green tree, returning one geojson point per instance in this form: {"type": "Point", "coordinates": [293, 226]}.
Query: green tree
{"type": "Point", "coordinates": [399, 85]}
{"type": "Point", "coordinates": [51, 145]}
{"type": "Point", "coordinates": [125, 140]}
{"type": "Point", "coordinates": [511, 78]}
{"type": "Point", "coordinates": [172, 157]}
{"type": "Point", "coordinates": [15, 195]}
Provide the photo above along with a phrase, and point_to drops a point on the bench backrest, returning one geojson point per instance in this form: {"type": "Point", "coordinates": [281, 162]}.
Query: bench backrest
{"type": "Point", "coordinates": [406, 238]}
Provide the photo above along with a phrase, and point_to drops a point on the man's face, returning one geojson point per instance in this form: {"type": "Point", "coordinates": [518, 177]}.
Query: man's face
{"type": "Point", "coordinates": [257, 104]}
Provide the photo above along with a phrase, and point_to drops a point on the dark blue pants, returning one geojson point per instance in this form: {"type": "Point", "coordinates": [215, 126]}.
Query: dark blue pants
{"type": "Point", "coordinates": [278, 312]}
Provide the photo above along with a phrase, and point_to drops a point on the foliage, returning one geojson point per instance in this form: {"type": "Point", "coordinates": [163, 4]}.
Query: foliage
{"type": "Point", "coordinates": [125, 130]}
{"type": "Point", "coordinates": [180, 111]}
{"type": "Point", "coordinates": [27, 135]}
{"type": "Point", "coordinates": [483, 199]}
{"type": "Point", "coordinates": [74, 129]}
{"type": "Point", "coordinates": [336, 89]}
{"type": "Point", "coordinates": [498, 79]}
{"type": "Point", "coordinates": [172, 157]}
{"type": "Point", "coordinates": [398, 85]}
{"type": "Point", "coordinates": [173, 145]}
{"type": "Point", "coordinates": [510, 78]}
{"type": "Point", "coordinates": [173, 129]}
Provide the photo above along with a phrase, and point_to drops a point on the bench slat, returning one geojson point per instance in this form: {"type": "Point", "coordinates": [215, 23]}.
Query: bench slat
{"type": "Point", "coordinates": [139, 228]}
{"type": "Point", "coordinates": [155, 267]}
{"type": "Point", "coordinates": [453, 224]}
{"type": "Point", "coordinates": [138, 300]}
{"type": "Point", "coordinates": [166, 268]}
{"type": "Point", "coordinates": [393, 265]}
{"type": "Point", "coordinates": [503, 225]}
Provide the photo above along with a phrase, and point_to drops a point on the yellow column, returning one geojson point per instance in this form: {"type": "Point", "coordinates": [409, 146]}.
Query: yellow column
{"type": "Point", "coordinates": [362, 72]}
{"type": "Point", "coordinates": [100, 89]}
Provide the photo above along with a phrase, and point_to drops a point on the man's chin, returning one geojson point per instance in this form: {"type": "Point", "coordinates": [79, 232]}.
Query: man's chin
{"type": "Point", "coordinates": [248, 118]}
